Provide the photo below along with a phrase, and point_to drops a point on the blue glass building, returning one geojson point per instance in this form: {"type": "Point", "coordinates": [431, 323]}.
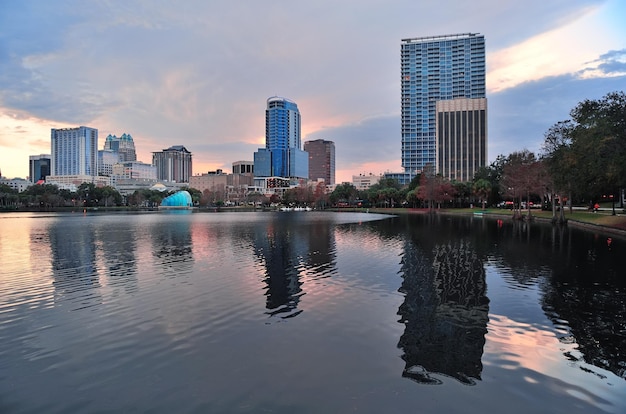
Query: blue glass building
{"type": "Point", "coordinates": [433, 69]}
{"type": "Point", "coordinates": [74, 151]}
{"type": "Point", "coordinates": [283, 155]}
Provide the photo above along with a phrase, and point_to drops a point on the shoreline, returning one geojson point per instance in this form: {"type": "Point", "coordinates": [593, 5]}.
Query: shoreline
{"type": "Point", "coordinates": [477, 212]}
{"type": "Point", "coordinates": [579, 221]}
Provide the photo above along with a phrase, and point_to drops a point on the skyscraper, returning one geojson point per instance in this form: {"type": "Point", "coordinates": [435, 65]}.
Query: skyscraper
{"type": "Point", "coordinates": [173, 164]}
{"type": "Point", "coordinates": [282, 155]}
{"type": "Point", "coordinates": [436, 69]}
{"type": "Point", "coordinates": [321, 160]}
{"type": "Point", "coordinates": [74, 152]}
{"type": "Point", "coordinates": [124, 146]}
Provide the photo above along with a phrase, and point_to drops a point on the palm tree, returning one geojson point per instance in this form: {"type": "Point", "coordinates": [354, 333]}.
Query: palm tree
{"type": "Point", "coordinates": [482, 189]}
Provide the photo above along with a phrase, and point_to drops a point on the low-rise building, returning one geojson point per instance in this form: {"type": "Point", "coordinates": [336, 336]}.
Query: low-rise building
{"type": "Point", "coordinates": [365, 181]}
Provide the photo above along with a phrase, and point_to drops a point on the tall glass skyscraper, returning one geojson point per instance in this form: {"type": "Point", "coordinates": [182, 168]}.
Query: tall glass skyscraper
{"type": "Point", "coordinates": [282, 155]}
{"type": "Point", "coordinates": [74, 151]}
{"type": "Point", "coordinates": [442, 68]}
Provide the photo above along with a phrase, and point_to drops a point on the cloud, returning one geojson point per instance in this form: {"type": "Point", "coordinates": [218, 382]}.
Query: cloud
{"type": "Point", "coordinates": [198, 73]}
{"type": "Point", "coordinates": [527, 111]}
{"type": "Point", "coordinates": [372, 140]}
{"type": "Point", "coordinates": [610, 64]}
{"type": "Point", "coordinates": [543, 55]}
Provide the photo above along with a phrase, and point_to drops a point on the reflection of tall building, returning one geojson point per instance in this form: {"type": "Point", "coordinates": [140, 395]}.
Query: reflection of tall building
{"type": "Point", "coordinates": [288, 247]}
{"type": "Point", "coordinates": [445, 312]}
{"type": "Point", "coordinates": [172, 244]}
{"type": "Point", "coordinates": [118, 250]}
{"type": "Point", "coordinates": [74, 264]}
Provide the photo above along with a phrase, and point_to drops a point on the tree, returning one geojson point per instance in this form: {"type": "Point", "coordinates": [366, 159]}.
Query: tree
{"type": "Point", "coordinates": [426, 189]}
{"type": "Point", "coordinates": [463, 192]}
{"type": "Point", "coordinates": [345, 191]}
{"type": "Point", "coordinates": [8, 197]}
{"type": "Point", "coordinates": [482, 189]}
{"type": "Point", "coordinates": [196, 195]}
{"type": "Point", "coordinates": [434, 189]}
{"type": "Point", "coordinates": [599, 142]}
{"type": "Point", "coordinates": [320, 196]}
{"type": "Point", "coordinates": [560, 164]}
{"type": "Point", "coordinates": [521, 178]}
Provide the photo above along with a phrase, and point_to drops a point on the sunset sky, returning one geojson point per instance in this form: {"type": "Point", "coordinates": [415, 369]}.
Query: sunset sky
{"type": "Point", "coordinates": [198, 73]}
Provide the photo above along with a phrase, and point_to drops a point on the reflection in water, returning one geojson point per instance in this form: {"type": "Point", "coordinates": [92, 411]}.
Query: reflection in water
{"type": "Point", "coordinates": [588, 294]}
{"type": "Point", "coordinates": [118, 252]}
{"type": "Point", "coordinates": [172, 245]}
{"type": "Point", "coordinates": [445, 312]}
{"type": "Point", "coordinates": [287, 253]}
{"type": "Point", "coordinates": [72, 244]}
{"type": "Point", "coordinates": [202, 343]}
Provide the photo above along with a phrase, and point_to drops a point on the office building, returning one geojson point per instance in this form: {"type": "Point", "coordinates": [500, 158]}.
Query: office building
{"type": "Point", "coordinates": [461, 138]}
{"type": "Point", "coordinates": [321, 160]}
{"type": "Point", "coordinates": [173, 164]}
{"type": "Point", "coordinates": [283, 155]}
{"type": "Point", "coordinates": [365, 181]}
{"type": "Point", "coordinates": [443, 68]}
{"type": "Point", "coordinates": [17, 184]}
{"type": "Point", "coordinates": [38, 167]}
{"type": "Point", "coordinates": [243, 167]}
{"type": "Point", "coordinates": [135, 170]}
{"type": "Point", "coordinates": [124, 146]}
{"type": "Point", "coordinates": [106, 160]}
{"type": "Point", "coordinates": [74, 152]}
{"type": "Point", "coordinates": [212, 181]}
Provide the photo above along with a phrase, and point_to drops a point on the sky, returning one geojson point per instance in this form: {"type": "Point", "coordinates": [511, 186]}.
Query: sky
{"type": "Point", "coordinates": [198, 73]}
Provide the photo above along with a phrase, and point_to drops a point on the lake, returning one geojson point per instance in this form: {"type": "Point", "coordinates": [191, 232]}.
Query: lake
{"type": "Point", "coordinates": [308, 312]}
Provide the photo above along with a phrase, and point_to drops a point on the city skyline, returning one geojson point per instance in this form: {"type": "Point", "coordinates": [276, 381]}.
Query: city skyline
{"type": "Point", "coordinates": [199, 75]}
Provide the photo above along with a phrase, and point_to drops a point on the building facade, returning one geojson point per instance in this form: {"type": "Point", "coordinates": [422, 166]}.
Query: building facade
{"type": "Point", "coordinates": [243, 167]}
{"type": "Point", "coordinates": [106, 160]}
{"type": "Point", "coordinates": [74, 151]}
{"type": "Point", "coordinates": [124, 146]}
{"type": "Point", "coordinates": [213, 181]}
{"type": "Point", "coordinates": [17, 184]}
{"type": "Point", "coordinates": [135, 170]}
{"type": "Point", "coordinates": [433, 69]}
{"type": "Point", "coordinates": [38, 167]}
{"type": "Point", "coordinates": [461, 138]}
{"type": "Point", "coordinates": [173, 164]}
{"type": "Point", "coordinates": [365, 181]}
{"type": "Point", "coordinates": [283, 155]}
{"type": "Point", "coordinates": [321, 160]}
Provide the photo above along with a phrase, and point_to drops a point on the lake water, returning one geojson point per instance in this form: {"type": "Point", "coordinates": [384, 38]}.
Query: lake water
{"type": "Point", "coordinates": [308, 312]}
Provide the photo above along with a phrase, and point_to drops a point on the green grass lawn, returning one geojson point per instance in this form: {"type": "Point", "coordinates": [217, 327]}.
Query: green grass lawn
{"type": "Point", "coordinates": [602, 218]}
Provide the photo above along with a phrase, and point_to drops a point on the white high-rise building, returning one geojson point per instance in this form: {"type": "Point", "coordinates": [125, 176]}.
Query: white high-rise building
{"type": "Point", "coordinates": [74, 151]}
